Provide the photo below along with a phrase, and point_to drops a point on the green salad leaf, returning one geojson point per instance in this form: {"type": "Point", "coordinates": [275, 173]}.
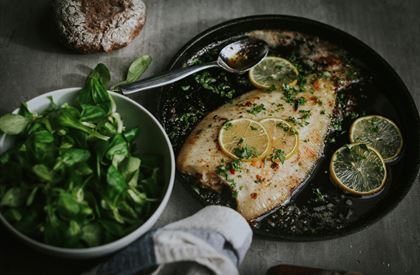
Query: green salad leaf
{"type": "Point", "coordinates": [13, 124]}
{"type": "Point", "coordinates": [135, 71]}
{"type": "Point", "coordinates": [73, 178]}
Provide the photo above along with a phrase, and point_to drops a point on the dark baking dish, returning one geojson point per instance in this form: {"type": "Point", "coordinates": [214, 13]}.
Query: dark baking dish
{"type": "Point", "coordinates": [393, 100]}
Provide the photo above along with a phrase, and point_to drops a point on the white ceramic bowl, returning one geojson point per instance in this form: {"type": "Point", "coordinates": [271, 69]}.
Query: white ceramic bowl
{"type": "Point", "coordinates": [152, 139]}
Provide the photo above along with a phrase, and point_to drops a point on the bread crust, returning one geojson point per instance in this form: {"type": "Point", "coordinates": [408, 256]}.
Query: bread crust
{"type": "Point", "coordinates": [98, 26]}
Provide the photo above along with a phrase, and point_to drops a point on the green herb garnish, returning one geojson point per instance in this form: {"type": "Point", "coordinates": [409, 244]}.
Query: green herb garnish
{"type": "Point", "coordinates": [244, 152]}
{"type": "Point", "coordinates": [297, 121]}
{"type": "Point", "coordinates": [256, 109]}
{"type": "Point", "coordinates": [278, 155]}
{"type": "Point", "coordinates": [305, 114]}
{"type": "Point", "coordinates": [211, 83]}
{"type": "Point", "coordinates": [185, 88]}
{"type": "Point", "coordinates": [224, 170]}
{"type": "Point", "coordinates": [374, 125]}
{"type": "Point", "coordinates": [272, 88]}
{"type": "Point", "coordinates": [319, 197]}
{"type": "Point", "coordinates": [227, 125]}
{"type": "Point", "coordinates": [189, 118]}
{"type": "Point", "coordinates": [286, 128]}
{"type": "Point", "coordinates": [290, 94]}
{"type": "Point", "coordinates": [301, 101]}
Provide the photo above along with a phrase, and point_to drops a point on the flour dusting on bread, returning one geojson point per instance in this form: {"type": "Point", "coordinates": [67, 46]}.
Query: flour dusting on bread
{"type": "Point", "coordinates": [101, 25]}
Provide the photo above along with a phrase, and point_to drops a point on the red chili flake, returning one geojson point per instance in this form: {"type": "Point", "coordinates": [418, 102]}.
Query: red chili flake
{"type": "Point", "coordinates": [253, 196]}
{"type": "Point", "coordinates": [274, 165]}
{"type": "Point", "coordinates": [248, 104]}
{"type": "Point", "coordinates": [316, 85]}
{"type": "Point", "coordinates": [259, 178]}
{"type": "Point", "coordinates": [315, 99]}
{"type": "Point", "coordinates": [232, 171]}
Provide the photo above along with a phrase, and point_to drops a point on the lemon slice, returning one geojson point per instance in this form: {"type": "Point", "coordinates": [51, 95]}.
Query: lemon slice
{"type": "Point", "coordinates": [244, 139]}
{"type": "Point", "coordinates": [358, 168]}
{"type": "Point", "coordinates": [273, 72]}
{"type": "Point", "coordinates": [284, 137]}
{"type": "Point", "coordinates": [380, 133]}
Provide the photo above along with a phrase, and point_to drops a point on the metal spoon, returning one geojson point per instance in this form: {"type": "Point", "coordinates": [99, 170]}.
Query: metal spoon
{"type": "Point", "coordinates": [237, 57]}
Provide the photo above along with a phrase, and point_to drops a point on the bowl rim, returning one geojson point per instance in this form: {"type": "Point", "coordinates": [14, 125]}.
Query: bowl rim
{"type": "Point", "coordinates": [121, 242]}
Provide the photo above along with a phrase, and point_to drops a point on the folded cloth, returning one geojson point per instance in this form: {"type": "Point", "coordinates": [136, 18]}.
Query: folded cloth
{"type": "Point", "coordinates": [212, 241]}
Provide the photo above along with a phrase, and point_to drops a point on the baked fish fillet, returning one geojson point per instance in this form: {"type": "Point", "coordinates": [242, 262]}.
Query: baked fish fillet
{"type": "Point", "coordinates": [262, 185]}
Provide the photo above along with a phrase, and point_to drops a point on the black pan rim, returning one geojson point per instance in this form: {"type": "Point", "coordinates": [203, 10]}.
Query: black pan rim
{"type": "Point", "coordinates": [361, 224]}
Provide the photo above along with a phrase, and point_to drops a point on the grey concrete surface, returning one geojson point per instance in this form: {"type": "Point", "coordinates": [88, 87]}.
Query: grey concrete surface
{"type": "Point", "coordinates": [32, 63]}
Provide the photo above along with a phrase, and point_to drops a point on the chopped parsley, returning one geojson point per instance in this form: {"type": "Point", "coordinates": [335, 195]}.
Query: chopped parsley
{"type": "Point", "coordinates": [286, 128]}
{"type": "Point", "coordinates": [354, 115]}
{"type": "Point", "coordinates": [272, 88]}
{"type": "Point", "coordinates": [227, 125]}
{"type": "Point", "coordinates": [336, 125]}
{"type": "Point", "coordinates": [319, 197]}
{"type": "Point", "coordinates": [195, 61]}
{"type": "Point", "coordinates": [190, 117]}
{"type": "Point", "coordinates": [293, 120]}
{"type": "Point", "coordinates": [374, 125]}
{"type": "Point", "coordinates": [352, 74]}
{"type": "Point", "coordinates": [355, 154]}
{"type": "Point", "coordinates": [301, 81]}
{"type": "Point", "coordinates": [244, 152]}
{"type": "Point", "coordinates": [305, 114]}
{"type": "Point", "coordinates": [256, 109]}
{"type": "Point", "coordinates": [224, 170]}
{"type": "Point", "coordinates": [290, 95]}
{"type": "Point", "coordinates": [301, 101]}
{"type": "Point", "coordinates": [185, 88]}
{"type": "Point", "coordinates": [341, 99]}
{"type": "Point", "coordinates": [302, 120]}
{"type": "Point", "coordinates": [331, 140]}
{"type": "Point", "coordinates": [325, 75]}
{"type": "Point", "coordinates": [235, 164]}
{"type": "Point", "coordinates": [278, 155]}
{"type": "Point", "coordinates": [210, 83]}
{"type": "Point", "coordinates": [297, 62]}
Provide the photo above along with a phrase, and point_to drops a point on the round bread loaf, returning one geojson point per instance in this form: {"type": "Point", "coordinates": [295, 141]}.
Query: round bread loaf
{"type": "Point", "coordinates": [98, 25]}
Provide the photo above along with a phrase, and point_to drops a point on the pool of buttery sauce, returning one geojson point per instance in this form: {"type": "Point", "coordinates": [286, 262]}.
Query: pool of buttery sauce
{"type": "Point", "coordinates": [319, 208]}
